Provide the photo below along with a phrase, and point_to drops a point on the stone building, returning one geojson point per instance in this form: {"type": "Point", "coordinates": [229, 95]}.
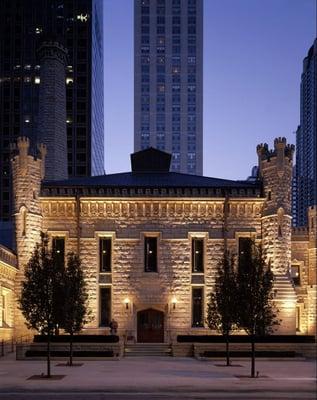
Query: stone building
{"type": "Point", "coordinates": [8, 270]}
{"type": "Point", "coordinates": [150, 240]}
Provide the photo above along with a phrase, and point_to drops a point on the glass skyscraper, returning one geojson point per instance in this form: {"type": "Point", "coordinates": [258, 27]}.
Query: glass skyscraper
{"type": "Point", "coordinates": [23, 25]}
{"type": "Point", "coordinates": [168, 74]}
{"type": "Point", "coordinates": [305, 186]}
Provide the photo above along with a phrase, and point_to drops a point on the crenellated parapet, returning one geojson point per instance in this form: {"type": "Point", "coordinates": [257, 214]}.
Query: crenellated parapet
{"type": "Point", "coordinates": [281, 148]}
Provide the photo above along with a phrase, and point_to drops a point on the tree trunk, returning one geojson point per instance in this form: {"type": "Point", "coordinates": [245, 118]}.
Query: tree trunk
{"type": "Point", "coordinates": [227, 350]}
{"type": "Point", "coordinates": [49, 354]}
{"type": "Point", "coordinates": [71, 350]}
{"type": "Point", "coordinates": [252, 356]}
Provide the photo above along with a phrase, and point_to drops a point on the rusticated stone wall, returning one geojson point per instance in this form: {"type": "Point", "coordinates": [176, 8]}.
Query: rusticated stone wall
{"type": "Point", "coordinates": [27, 173]}
{"type": "Point", "coordinates": [174, 221]}
{"type": "Point", "coordinates": [276, 172]}
{"type": "Point", "coordinates": [304, 251]}
{"type": "Point", "coordinates": [7, 278]}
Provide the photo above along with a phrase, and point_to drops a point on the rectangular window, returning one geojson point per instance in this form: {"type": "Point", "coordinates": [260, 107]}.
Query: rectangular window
{"type": "Point", "coordinates": [105, 254]}
{"type": "Point", "coordinates": [297, 319]}
{"type": "Point", "coordinates": [244, 248]}
{"type": "Point", "coordinates": [197, 307]}
{"type": "Point", "coordinates": [105, 306]}
{"type": "Point", "coordinates": [295, 272]}
{"type": "Point", "coordinates": [150, 254]}
{"type": "Point", "coordinates": [197, 255]}
{"type": "Point", "coordinates": [58, 246]}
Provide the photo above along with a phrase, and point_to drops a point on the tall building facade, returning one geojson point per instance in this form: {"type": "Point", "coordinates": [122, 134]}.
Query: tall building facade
{"type": "Point", "coordinates": [168, 80]}
{"type": "Point", "coordinates": [305, 194]}
{"type": "Point", "coordinates": [23, 25]}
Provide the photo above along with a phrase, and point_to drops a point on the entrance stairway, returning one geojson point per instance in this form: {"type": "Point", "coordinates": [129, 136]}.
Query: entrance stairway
{"type": "Point", "coordinates": [147, 350]}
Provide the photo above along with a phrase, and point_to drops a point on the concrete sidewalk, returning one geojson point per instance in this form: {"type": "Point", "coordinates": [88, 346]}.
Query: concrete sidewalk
{"type": "Point", "coordinates": [162, 375]}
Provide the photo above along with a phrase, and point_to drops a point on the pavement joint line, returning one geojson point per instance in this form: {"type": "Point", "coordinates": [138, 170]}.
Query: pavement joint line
{"type": "Point", "coordinates": [148, 392]}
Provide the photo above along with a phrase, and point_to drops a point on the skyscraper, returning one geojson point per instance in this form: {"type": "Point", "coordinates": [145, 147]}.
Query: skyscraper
{"type": "Point", "coordinates": [168, 73]}
{"type": "Point", "coordinates": [23, 24]}
{"type": "Point", "coordinates": [306, 141]}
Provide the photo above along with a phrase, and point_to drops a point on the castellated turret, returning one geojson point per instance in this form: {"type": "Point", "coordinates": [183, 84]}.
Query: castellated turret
{"type": "Point", "coordinates": [52, 108]}
{"type": "Point", "coordinates": [275, 170]}
{"type": "Point", "coordinates": [27, 173]}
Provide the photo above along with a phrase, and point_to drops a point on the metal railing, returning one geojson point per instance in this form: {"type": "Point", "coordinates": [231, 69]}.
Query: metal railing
{"type": "Point", "coordinates": [9, 346]}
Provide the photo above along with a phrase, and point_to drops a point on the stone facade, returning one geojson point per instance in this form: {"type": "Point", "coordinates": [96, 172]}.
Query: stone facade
{"type": "Point", "coordinates": [8, 270]}
{"type": "Point", "coordinates": [304, 259]}
{"type": "Point", "coordinates": [174, 216]}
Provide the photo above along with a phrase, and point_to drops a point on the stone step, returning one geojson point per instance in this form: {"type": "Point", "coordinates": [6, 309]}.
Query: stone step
{"type": "Point", "coordinates": [147, 350]}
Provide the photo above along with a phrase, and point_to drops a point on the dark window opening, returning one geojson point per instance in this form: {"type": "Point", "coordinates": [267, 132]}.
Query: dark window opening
{"type": "Point", "coordinates": [295, 273]}
{"type": "Point", "coordinates": [244, 249]}
{"type": "Point", "coordinates": [197, 255]}
{"type": "Point", "coordinates": [197, 307]}
{"type": "Point", "coordinates": [105, 254]}
{"type": "Point", "coordinates": [105, 306]}
{"type": "Point", "coordinates": [58, 247]}
{"type": "Point", "coordinates": [150, 254]}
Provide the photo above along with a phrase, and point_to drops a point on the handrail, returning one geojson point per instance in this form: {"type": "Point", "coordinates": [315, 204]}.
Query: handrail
{"type": "Point", "coordinates": [9, 346]}
{"type": "Point", "coordinates": [4, 345]}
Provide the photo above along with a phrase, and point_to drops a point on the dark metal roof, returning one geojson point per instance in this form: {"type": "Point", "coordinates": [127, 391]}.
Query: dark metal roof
{"type": "Point", "coordinates": [151, 179]}
{"type": "Point", "coordinates": [128, 183]}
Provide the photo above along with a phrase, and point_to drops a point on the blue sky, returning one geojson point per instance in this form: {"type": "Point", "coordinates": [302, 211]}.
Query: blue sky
{"type": "Point", "coordinates": [253, 52]}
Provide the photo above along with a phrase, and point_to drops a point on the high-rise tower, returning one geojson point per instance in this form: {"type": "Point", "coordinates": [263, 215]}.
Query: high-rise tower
{"type": "Point", "coordinates": [168, 73]}
{"type": "Point", "coordinates": [52, 108]}
{"type": "Point", "coordinates": [306, 141]}
{"type": "Point", "coordinates": [23, 24]}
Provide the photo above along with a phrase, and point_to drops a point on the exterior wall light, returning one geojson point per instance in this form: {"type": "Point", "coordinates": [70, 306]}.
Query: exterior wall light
{"type": "Point", "coordinates": [174, 302]}
{"type": "Point", "coordinates": [126, 302]}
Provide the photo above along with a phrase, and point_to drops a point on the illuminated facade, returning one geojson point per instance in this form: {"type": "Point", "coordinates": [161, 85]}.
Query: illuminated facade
{"type": "Point", "coordinates": [150, 240]}
{"type": "Point", "coordinates": [8, 270]}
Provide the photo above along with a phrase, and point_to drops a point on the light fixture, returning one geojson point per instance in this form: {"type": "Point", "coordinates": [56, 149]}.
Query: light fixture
{"type": "Point", "coordinates": [37, 80]}
{"type": "Point", "coordinates": [127, 302]}
{"type": "Point", "coordinates": [174, 302]}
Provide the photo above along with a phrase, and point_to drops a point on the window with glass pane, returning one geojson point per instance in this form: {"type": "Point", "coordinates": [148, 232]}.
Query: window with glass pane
{"type": "Point", "coordinates": [295, 272]}
{"type": "Point", "coordinates": [197, 307]}
{"type": "Point", "coordinates": [105, 254]}
{"type": "Point", "coordinates": [105, 306]}
{"type": "Point", "coordinates": [150, 254]}
{"type": "Point", "coordinates": [58, 246]}
{"type": "Point", "coordinates": [197, 255]}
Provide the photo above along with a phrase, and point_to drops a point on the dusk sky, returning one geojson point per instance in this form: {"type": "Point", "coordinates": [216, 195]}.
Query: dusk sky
{"type": "Point", "coordinates": [253, 52]}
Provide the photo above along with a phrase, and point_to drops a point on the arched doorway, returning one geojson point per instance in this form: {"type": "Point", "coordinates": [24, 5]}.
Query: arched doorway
{"type": "Point", "coordinates": [150, 326]}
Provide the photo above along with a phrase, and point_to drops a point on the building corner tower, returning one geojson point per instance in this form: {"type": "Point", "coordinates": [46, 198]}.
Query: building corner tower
{"type": "Point", "coordinates": [275, 169]}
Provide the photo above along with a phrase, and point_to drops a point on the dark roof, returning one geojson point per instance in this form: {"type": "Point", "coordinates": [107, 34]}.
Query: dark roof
{"type": "Point", "coordinates": [151, 179]}
{"type": "Point", "coordinates": [128, 183]}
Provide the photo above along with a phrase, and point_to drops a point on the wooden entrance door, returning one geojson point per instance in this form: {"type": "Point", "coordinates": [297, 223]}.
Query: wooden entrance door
{"type": "Point", "coordinates": [150, 326]}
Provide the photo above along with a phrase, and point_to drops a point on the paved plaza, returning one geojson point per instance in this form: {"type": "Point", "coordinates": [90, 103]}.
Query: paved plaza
{"type": "Point", "coordinates": [158, 378]}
